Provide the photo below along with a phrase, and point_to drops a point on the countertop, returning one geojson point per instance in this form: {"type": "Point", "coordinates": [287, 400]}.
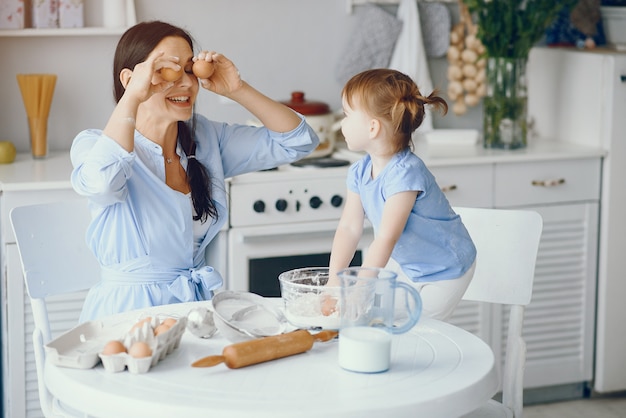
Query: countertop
{"type": "Point", "coordinates": [53, 172]}
{"type": "Point", "coordinates": [444, 155]}
{"type": "Point", "coordinates": [538, 150]}
{"type": "Point", "coordinates": [27, 173]}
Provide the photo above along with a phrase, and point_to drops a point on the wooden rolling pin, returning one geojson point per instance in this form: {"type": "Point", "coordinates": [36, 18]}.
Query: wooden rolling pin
{"type": "Point", "coordinates": [265, 349]}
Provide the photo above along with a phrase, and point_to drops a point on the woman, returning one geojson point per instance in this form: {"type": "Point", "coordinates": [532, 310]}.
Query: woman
{"type": "Point", "coordinates": [415, 227]}
{"type": "Point", "coordinates": [155, 174]}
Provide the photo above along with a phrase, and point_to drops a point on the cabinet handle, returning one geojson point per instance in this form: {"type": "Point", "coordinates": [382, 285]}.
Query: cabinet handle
{"type": "Point", "coordinates": [448, 188]}
{"type": "Point", "coordinates": [548, 183]}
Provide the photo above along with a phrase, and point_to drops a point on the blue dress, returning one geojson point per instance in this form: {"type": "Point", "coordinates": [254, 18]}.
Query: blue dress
{"type": "Point", "coordinates": [434, 244]}
{"type": "Point", "coordinates": [142, 230]}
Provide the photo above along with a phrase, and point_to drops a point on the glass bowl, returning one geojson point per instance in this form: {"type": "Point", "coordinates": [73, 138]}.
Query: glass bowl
{"type": "Point", "coordinates": [308, 302]}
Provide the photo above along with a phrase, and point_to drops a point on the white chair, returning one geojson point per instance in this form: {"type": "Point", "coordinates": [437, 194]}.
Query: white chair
{"type": "Point", "coordinates": [55, 261]}
{"type": "Point", "coordinates": [507, 242]}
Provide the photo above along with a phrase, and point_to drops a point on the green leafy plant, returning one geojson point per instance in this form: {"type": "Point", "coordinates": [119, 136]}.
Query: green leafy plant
{"type": "Point", "coordinates": [510, 28]}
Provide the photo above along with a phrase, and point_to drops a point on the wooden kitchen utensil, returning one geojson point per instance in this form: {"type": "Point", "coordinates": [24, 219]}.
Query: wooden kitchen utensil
{"type": "Point", "coordinates": [37, 91]}
{"type": "Point", "coordinates": [265, 349]}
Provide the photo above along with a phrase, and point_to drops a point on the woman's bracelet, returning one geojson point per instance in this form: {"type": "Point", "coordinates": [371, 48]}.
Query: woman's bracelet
{"type": "Point", "coordinates": [129, 120]}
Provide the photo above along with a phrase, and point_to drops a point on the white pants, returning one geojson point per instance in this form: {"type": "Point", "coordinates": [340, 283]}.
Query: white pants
{"type": "Point", "coordinates": [439, 298]}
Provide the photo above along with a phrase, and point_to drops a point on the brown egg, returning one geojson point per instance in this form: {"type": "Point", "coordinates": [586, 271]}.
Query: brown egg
{"type": "Point", "coordinates": [329, 305]}
{"type": "Point", "coordinates": [140, 349]}
{"type": "Point", "coordinates": [170, 322]}
{"type": "Point", "coordinates": [113, 347]}
{"type": "Point", "coordinates": [160, 329]}
{"type": "Point", "coordinates": [203, 69]}
{"type": "Point", "coordinates": [169, 74]}
{"type": "Point", "coordinates": [140, 323]}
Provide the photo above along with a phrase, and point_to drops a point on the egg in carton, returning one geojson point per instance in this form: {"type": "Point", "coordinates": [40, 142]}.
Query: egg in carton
{"type": "Point", "coordinates": [149, 341]}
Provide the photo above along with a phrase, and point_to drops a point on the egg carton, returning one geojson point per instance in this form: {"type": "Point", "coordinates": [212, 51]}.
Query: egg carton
{"type": "Point", "coordinates": [81, 347]}
{"type": "Point", "coordinates": [160, 345]}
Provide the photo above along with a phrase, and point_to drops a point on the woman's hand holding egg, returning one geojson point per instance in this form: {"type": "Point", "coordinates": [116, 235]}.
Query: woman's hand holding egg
{"type": "Point", "coordinates": [151, 76]}
{"type": "Point", "coordinates": [224, 78]}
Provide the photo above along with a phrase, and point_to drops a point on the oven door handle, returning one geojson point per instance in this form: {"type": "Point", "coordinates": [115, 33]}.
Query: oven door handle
{"type": "Point", "coordinates": [274, 232]}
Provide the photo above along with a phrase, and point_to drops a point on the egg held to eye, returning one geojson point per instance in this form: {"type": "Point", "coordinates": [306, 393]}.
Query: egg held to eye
{"type": "Point", "coordinates": [203, 69]}
{"type": "Point", "coordinates": [169, 74]}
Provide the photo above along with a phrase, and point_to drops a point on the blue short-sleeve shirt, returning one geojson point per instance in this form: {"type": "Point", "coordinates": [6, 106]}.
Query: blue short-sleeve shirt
{"type": "Point", "coordinates": [434, 244]}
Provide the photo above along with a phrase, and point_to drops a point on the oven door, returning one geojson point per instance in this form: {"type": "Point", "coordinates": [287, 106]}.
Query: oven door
{"type": "Point", "coordinates": [257, 255]}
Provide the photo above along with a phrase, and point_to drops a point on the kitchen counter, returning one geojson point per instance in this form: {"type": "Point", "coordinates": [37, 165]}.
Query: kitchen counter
{"type": "Point", "coordinates": [53, 172]}
{"type": "Point", "coordinates": [537, 150]}
{"type": "Point", "coordinates": [443, 155]}
{"type": "Point", "coordinates": [27, 173]}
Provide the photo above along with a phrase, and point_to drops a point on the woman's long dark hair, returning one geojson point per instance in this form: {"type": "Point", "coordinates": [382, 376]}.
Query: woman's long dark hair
{"type": "Point", "coordinates": [134, 47]}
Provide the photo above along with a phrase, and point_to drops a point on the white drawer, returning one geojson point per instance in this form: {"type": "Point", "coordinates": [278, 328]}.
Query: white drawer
{"type": "Point", "coordinates": [545, 182]}
{"type": "Point", "coordinates": [9, 200]}
{"type": "Point", "coordinates": [466, 185]}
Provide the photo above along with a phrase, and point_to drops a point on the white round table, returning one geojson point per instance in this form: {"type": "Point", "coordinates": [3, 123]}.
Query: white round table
{"type": "Point", "coordinates": [437, 370]}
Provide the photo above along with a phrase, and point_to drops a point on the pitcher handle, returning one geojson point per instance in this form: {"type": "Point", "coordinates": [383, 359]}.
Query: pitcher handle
{"type": "Point", "coordinates": [414, 314]}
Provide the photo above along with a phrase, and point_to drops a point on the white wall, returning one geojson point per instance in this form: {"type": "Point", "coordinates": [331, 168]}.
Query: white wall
{"type": "Point", "coordinates": [278, 45]}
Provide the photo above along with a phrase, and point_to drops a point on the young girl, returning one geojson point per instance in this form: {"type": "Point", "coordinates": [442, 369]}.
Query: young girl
{"type": "Point", "coordinates": [414, 226]}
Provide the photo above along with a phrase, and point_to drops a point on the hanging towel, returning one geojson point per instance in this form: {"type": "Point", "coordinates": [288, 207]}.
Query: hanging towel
{"type": "Point", "coordinates": [436, 25]}
{"type": "Point", "coordinates": [371, 42]}
{"type": "Point", "coordinates": [409, 55]}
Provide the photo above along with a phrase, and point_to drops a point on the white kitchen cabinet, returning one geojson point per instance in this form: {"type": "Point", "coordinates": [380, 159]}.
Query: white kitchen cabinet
{"type": "Point", "coordinates": [559, 323]}
{"type": "Point", "coordinates": [579, 96]}
{"type": "Point", "coordinates": [468, 185]}
{"type": "Point", "coordinates": [546, 182]}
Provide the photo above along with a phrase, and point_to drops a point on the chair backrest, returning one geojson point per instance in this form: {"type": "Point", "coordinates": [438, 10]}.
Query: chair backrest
{"type": "Point", "coordinates": [55, 260]}
{"type": "Point", "coordinates": [507, 242]}
{"type": "Point", "coordinates": [51, 242]}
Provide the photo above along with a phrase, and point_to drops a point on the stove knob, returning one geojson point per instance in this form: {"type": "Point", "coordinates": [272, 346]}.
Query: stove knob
{"type": "Point", "coordinates": [281, 205]}
{"type": "Point", "coordinates": [336, 200]}
{"type": "Point", "coordinates": [259, 206]}
{"type": "Point", "coordinates": [315, 202]}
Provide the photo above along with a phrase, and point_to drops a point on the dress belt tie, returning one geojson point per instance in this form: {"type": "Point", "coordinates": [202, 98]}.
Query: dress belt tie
{"type": "Point", "coordinates": [190, 285]}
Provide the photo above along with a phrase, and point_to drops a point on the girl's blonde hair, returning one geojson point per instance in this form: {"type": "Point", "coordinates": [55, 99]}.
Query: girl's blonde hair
{"type": "Point", "coordinates": [393, 97]}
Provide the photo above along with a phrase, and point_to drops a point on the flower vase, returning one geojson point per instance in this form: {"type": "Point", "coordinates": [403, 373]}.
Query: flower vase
{"type": "Point", "coordinates": [505, 103]}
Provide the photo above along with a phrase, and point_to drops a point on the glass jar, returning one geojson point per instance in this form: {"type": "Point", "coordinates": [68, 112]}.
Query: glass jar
{"type": "Point", "coordinates": [505, 103]}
